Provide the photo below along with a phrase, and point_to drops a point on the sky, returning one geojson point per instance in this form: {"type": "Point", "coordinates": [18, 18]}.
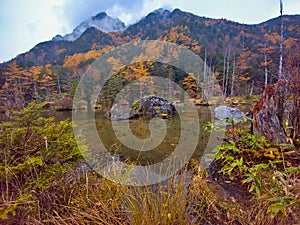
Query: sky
{"type": "Point", "coordinates": [25, 23]}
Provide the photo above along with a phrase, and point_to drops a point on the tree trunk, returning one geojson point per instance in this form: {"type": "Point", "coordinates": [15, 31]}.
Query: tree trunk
{"type": "Point", "coordinates": [227, 73]}
{"type": "Point", "coordinates": [280, 75]}
{"type": "Point", "coordinates": [251, 89]}
{"type": "Point", "coordinates": [58, 84]}
{"type": "Point", "coordinates": [205, 69]}
{"type": "Point", "coordinates": [233, 77]}
{"type": "Point", "coordinates": [224, 70]}
{"type": "Point", "coordinates": [266, 67]}
{"type": "Point", "coordinates": [269, 111]}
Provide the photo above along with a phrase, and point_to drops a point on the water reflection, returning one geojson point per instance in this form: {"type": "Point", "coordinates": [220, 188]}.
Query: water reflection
{"type": "Point", "coordinates": [140, 128]}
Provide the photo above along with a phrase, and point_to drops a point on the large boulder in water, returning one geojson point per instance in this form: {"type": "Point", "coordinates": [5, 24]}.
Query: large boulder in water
{"type": "Point", "coordinates": [222, 112]}
{"type": "Point", "coordinates": [153, 106]}
{"type": "Point", "coordinates": [148, 106]}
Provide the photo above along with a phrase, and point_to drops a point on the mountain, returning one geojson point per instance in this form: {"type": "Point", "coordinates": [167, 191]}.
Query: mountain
{"type": "Point", "coordinates": [239, 54]}
{"type": "Point", "coordinates": [212, 34]}
{"type": "Point", "coordinates": [100, 21]}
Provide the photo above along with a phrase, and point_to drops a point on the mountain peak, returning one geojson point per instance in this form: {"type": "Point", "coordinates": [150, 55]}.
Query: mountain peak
{"type": "Point", "coordinates": [100, 16]}
{"type": "Point", "coordinates": [161, 10]}
{"type": "Point", "coordinates": [160, 13]}
{"type": "Point", "coordinates": [100, 21]}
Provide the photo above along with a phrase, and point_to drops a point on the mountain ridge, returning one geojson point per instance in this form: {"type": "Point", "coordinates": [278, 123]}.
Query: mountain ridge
{"type": "Point", "coordinates": [155, 24]}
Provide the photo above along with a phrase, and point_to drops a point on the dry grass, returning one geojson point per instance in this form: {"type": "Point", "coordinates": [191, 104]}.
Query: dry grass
{"type": "Point", "coordinates": [185, 199]}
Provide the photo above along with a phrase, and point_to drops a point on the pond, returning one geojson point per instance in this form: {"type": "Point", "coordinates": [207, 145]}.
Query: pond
{"type": "Point", "coordinates": [140, 129]}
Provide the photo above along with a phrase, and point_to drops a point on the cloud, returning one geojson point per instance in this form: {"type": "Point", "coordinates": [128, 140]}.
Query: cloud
{"type": "Point", "coordinates": [24, 24]}
{"type": "Point", "coordinates": [77, 11]}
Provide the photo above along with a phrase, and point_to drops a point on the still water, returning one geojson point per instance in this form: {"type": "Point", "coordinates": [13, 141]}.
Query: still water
{"type": "Point", "coordinates": [140, 129]}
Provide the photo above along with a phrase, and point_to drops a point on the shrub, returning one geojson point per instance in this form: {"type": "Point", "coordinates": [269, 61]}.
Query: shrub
{"type": "Point", "coordinates": [35, 155]}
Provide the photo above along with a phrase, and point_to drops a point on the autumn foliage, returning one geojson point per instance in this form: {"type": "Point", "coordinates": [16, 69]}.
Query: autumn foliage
{"type": "Point", "coordinates": [244, 58]}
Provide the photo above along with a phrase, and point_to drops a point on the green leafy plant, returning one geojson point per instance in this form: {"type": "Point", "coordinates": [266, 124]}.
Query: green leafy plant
{"type": "Point", "coordinates": [36, 153]}
{"type": "Point", "coordinates": [210, 127]}
{"type": "Point", "coordinates": [261, 165]}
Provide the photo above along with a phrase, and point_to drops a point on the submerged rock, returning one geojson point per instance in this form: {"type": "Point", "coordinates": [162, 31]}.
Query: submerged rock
{"type": "Point", "coordinates": [222, 112]}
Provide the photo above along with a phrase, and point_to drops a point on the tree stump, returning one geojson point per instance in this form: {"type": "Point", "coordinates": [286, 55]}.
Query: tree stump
{"type": "Point", "coordinates": [268, 113]}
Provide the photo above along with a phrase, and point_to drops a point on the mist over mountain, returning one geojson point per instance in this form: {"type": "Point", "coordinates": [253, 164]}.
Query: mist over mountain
{"type": "Point", "coordinates": [100, 21]}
